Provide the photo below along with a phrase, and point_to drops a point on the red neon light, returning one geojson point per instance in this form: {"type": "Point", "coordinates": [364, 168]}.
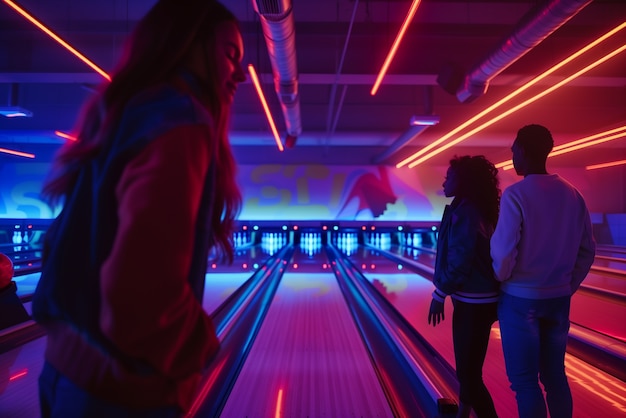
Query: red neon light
{"type": "Point", "coordinates": [604, 165]}
{"type": "Point", "coordinates": [64, 135]}
{"type": "Point", "coordinates": [513, 94]}
{"type": "Point", "coordinates": [394, 47]}
{"type": "Point", "coordinates": [57, 38]}
{"type": "Point", "coordinates": [18, 375]}
{"type": "Point", "coordinates": [18, 153]}
{"type": "Point", "coordinates": [266, 108]}
{"type": "Point", "coordinates": [519, 106]}
{"type": "Point", "coordinates": [206, 385]}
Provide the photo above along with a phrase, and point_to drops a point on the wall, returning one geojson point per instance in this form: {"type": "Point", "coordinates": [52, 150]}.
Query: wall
{"type": "Point", "coordinates": [318, 192]}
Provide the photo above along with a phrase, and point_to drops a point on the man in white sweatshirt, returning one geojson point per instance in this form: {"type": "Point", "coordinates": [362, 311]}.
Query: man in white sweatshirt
{"type": "Point", "coordinates": [542, 249]}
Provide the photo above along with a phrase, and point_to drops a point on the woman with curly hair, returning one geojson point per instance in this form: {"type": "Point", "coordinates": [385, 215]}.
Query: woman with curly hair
{"type": "Point", "coordinates": [463, 270]}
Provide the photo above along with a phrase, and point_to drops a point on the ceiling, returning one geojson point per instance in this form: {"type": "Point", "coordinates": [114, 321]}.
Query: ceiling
{"type": "Point", "coordinates": [340, 46]}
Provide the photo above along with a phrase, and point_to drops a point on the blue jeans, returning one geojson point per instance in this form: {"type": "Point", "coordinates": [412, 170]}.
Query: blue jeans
{"type": "Point", "coordinates": [60, 398]}
{"type": "Point", "coordinates": [534, 338]}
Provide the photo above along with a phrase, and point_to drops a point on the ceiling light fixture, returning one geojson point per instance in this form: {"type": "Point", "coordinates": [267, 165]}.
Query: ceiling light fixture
{"type": "Point", "coordinates": [515, 93]}
{"type": "Point", "coordinates": [14, 112]}
{"type": "Point", "coordinates": [604, 165]}
{"type": "Point", "coordinates": [394, 47]}
{"type": "Point", "coordinates": [266, 108]}
{"type": "Point", "coordinates": [428, 120]}
{"type": "Point", "coordinates": [54, 36]}
{"type": "Point", "coordinates": [519, 106]}
{"type": "Point", "coordinates": [18, 153]}
{"type": "Point", "coordinates": [417, 125]}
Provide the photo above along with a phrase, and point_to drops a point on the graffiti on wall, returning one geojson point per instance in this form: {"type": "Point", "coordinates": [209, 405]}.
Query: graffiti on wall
{"type": "Point", "coordinates": [294, 192]}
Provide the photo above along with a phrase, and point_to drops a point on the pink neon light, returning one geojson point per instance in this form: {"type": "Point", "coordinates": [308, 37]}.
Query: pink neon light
{"type": "Point", "coordinates": [18, 153]}
{"type": "Point", "coordinates": [57, 38]}
{"type": "Point", "coordinates": [266, 108]}
{"type": "Point", "coordinates": [394, 47]}
{"type": "Point", "coordinates": [64, 135]}
{"type": "Point", "coordinates": [18, 375]}
{"type": "Point", "coordinates": [604, 165]}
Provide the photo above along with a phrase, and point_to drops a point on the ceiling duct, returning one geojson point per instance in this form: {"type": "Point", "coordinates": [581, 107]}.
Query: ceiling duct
{"type": "Point", "coordinates": [280, 36]}
{"type": "Point", "coordinates": [534, 27]}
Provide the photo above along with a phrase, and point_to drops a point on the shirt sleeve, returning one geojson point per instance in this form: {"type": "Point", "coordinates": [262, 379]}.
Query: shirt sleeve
{"type": "Point", "coordinates": [586, 254]}
{"type": "Point", "coordinates": [148, 309]}
{"type": "Point", "coordinates": [506, 237]}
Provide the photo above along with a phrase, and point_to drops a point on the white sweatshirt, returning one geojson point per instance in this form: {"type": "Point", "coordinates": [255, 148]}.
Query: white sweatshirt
{"type": "Point", "coordinates": [543, 245]}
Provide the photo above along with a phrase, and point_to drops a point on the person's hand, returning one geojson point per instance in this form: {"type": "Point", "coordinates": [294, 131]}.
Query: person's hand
{"type": "Point", "coordinates": [436, 312]}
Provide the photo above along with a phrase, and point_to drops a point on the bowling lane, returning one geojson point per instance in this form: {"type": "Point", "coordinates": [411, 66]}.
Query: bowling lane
{"type": "Point", "coordinates": [595, 393]}
{"type": "Point", "coordinates": [20, 367]}
{"type": "Point", "coordinates": [590, 310]}
{"type": "Point", "coordinates": [609, 282]}
{"type": "Point", "coordinates": [308, 359]}
{"type": "Point", "coordinates": [611, 262]}
{"type": "Point", "coordinates": [600, 314]}
{"type": "Point", "coordinates": [615, 251]}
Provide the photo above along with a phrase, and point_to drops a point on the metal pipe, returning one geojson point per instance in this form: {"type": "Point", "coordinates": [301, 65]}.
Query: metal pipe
{"type": "Point", "coordinates": [534, 27]}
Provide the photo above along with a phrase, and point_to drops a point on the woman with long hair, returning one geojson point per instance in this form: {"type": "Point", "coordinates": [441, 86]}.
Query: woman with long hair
{"type": "Point", "coordinates": [148, 189]}
{"type": "Point", "coordinates": [463, 270]}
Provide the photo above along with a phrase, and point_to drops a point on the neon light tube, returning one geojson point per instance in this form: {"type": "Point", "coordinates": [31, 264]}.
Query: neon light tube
{"type": "Point", "coordinates": [519, 106]}
{"type": "Point", "coordinates": [394, 47]}
{"type": "Point", "coordinates": [588, 138]}
{"type": "Point", "coordinates": [57, 38]}
{"type": "Point", "coordinates": [604, 165]}
{"type": "Point", "coordinates": [18, 153]}
{"type": "Point", "coordinates": [64, 135]}
{"type": "Point", "coordinates": [257, 85]}
{"type": "Point", "coordinates": [570, 144]}
{"type": "Point", "coordinates": [513, 94]}
{"type": "Point", "coordinates": [574, 148]}
{"type": "Point", "coordinates": [586, 144]}
{"type": "Point", "coordinates": [279, 403]}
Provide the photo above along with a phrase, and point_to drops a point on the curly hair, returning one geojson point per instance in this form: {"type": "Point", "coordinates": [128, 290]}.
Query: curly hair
{"type": "Point", "coordinates": [478, 181]}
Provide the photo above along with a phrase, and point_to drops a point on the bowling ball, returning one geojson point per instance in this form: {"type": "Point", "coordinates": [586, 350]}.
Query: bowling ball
{"type": "Point", "coordinates": [6, 270]}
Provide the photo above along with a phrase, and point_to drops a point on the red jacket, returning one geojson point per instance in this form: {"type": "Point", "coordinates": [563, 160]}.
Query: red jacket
{"type": "Point", "coordinates": [157, 337]}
